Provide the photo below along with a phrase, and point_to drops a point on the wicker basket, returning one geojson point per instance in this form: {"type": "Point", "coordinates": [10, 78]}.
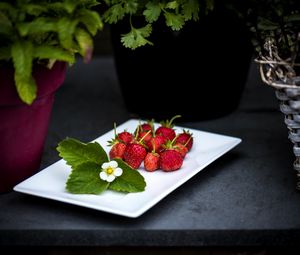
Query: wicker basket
{"type": "Point", "coordinates": [281, 75]}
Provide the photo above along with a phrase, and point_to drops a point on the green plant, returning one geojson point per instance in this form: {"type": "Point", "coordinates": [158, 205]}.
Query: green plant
{"type": "Point", "coordinates": [175, 13]}
{"type": "Point", "coordinates": [276, 28]}
{"type": "Point", "coordinates": [45, 31]}
{"type": "Point", "coordinates": [275, 20]}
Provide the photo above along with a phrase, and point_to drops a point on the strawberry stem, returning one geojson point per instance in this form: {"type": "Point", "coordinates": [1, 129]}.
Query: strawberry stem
{"type": "Point", "coordinates": [187, 141]}
{"type": "Point", "coordinates": [145, 136]}
{"type": "Point", "coordinates": [153, 147]}
{"type": "Point", "coordinates": [138, 130]}
{"type": "Point", "coordinates": [174, 139]}
{"type": "Point", "coordinates": [175, 117]}
{"type": "Point", "coordinates": [168, 123]}
{"type": "Point", "coordinates": [115, 130]}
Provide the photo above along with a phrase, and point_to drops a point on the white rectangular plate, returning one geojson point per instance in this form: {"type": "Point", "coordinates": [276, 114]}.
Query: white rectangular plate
{"type": "Point", "coordinates": [50, 182]}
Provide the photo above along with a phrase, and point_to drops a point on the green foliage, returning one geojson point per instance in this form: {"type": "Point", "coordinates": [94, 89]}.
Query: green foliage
{"type": "Point", "coordinates": [137, 37]}
{"type": "Point", "coordinates": [75, 152]}
{"type": "Point", "coordinates": [129, 181]}
{"type": "Point", "coordinates": [278, 20]}
{"type": "Point", "coordinates": [56, 30]}
{"type": "Point", "coordinates": [84, 179]}
{"type": "Point", "coordinates": [175, 13]}
{"type": "Point", "coordinates": [22, 54]}
{"type": "Point", "coordinates": [86, 160]}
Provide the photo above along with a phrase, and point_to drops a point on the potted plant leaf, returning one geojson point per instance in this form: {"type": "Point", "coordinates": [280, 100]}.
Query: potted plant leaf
{"type": "Point", "coordinates": [37, 40]}
{"type": "Point", "coordinates": [189, 46]}
{"type": "Point", "coordinates": [275, 25]}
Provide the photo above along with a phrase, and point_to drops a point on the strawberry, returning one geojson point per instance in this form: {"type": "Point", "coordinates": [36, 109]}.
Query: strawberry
{"type": "Point", "coordinates": [170, 160]}
{"type": "Point", "coordinates": [142, 129]}
{"type": "Point", "coordinates": [151, 162]}
{"type": "Point", "coordinates": [134, 155]}
{"type": "Point", "coordinates": [146, 134]}
{"type": "Point", "coordinates": [117, 151]}
{"type": "Point", "coordinates": [118, 147]}
{"type": "Point", "coordinates": [186, 139]}
{"type": "Point", "coordinates": [125, 137]}
{"type": "Point", "coordinates": [166, 129]}
{"type": "Point", "coordinates": [183, 150]}
{"type": "Point", "coordinates": [156, 142]}
{"type": "Point", "coordinates": [149, 125]}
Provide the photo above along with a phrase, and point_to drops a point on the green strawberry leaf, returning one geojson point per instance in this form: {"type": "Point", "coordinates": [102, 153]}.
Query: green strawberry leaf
{"type": "Point", "coordinates": [75, 152]}
{"type": "Point", "coordinates": [130, 181]}
{"type": "Point", "coordinates": [85, 179]}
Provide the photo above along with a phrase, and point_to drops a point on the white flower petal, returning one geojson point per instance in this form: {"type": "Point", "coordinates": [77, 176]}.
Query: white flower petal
{"type": "Point", "coordinates": [113, 164]}
{"type": "Point", "coordinates": [110, 178]}
{"type": "Point", "coordinates": [103, 176]}
{"type": "Point", "coordinates": [118, 171]}
{"type": "Point", "coordinates": [105, 165]}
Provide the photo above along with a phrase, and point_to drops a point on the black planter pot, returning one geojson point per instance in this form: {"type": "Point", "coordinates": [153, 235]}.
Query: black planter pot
{"type": "Point", "coordinates": [198, 72]}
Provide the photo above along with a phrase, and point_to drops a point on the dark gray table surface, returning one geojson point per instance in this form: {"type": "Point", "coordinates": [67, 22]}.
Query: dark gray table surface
{"type": "Point", "coordinates": [246, 197]}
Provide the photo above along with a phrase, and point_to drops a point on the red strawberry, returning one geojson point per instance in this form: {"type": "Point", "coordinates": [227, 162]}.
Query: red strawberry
{"type": "Point", "coordinates": [170, 160]}
{"type": "Point", "coordinates": [125, 137]}
{"type": "Point", "coordinates": [185, 138]}
{"type": "Point", "coordinates": [134, 155]}
{"type": "Point", "coordinates": [149, 125]}
{"type": "Point", "coordinates": [151, 162]}
{"type": "Point", "coordinates": [156, 143]}
{"type": "Point", "coordinates": [146, 134]}
{"type": "Point", "coordinates": [117, 151]}
{"type": "Point", "coordinates": [118, 147]}
{"type": "Point", "coordinates": [142, 129]}
{"type": "Point", "coordinates": [183, 150]}
{"type": "Point", "coordinates": [166, 129]}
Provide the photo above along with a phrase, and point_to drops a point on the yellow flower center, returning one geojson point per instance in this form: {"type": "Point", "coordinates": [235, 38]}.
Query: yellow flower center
{"type": "Point", "coordinates": [109, 170]}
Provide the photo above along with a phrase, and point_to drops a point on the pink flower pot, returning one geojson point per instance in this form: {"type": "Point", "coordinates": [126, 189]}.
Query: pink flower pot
{"type": "Point", "coordinates": [23, 128]}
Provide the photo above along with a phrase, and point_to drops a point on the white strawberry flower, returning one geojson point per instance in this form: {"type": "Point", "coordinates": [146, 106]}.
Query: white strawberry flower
{"type": "Point", "coordinates": [110, 171]}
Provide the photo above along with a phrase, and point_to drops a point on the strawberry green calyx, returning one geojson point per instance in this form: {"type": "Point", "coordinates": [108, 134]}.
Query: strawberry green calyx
{"type": "Point", "coordinates": [123, 137]}
{"type": "Point", "coordinates": [169, 123]}
{"type": "Point", "coordinates": [166, 128]}
{"type": "Point", "coordinates": [170, 143]}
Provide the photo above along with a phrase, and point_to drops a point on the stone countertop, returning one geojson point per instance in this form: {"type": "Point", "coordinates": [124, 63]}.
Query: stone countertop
{"type": "Point", "coordinates": [247, 197]}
